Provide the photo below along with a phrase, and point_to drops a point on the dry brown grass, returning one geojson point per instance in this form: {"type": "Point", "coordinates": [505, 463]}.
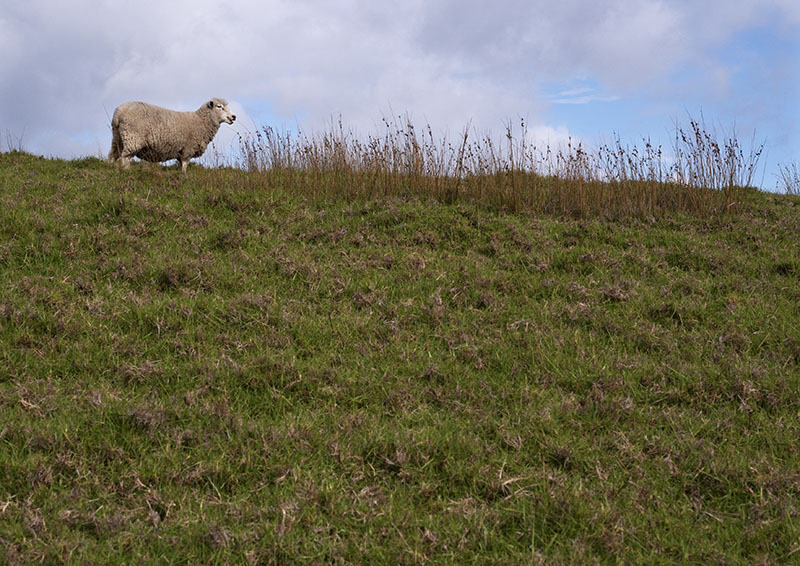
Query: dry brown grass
{"type": "Point", "coordinates": [702, 175]}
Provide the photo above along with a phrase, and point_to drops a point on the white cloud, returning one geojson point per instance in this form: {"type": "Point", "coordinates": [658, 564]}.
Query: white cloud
{"type": "Point", "coordinates": [554, 138]}
{"type": "Point", "coordinates": [583, 95]}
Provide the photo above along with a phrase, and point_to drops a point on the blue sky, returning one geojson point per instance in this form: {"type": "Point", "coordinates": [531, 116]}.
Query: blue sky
{"type": "Point", "coordinates": [576, 68]}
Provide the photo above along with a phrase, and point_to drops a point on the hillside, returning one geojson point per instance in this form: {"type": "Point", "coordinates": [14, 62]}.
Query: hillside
{"type": "Point", "coordinates": [220, 368]}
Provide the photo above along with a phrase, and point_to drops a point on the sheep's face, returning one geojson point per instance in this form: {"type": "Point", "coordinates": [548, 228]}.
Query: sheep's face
{"type": "Point", "coordinates": [220, 111]}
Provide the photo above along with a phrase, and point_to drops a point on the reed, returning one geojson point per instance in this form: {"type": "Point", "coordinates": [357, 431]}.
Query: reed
{"type": "Point", "coordinates": [703, 174]}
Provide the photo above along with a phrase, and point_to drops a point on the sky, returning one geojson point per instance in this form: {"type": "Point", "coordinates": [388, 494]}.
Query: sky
{"type": "Point", "coordinates": [581, 69]}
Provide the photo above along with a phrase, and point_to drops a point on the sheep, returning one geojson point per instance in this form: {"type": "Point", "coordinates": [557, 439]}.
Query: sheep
{"type": "Point", "coordinates": [157, 134]}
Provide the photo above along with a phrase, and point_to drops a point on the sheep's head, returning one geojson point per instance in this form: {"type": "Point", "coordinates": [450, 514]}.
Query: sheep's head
{"type": "Point", "coordinates": [220, 111]}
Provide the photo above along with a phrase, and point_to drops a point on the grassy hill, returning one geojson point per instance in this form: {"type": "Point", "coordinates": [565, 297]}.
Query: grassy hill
{"type": "Point", "coordinates": [228, 368]}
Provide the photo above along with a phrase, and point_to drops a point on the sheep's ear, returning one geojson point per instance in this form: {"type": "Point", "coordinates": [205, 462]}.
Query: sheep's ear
{"type": "Point", "coordinates": [211, 104]}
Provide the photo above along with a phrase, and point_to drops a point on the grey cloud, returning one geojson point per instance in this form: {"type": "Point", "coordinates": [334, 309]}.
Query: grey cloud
{"type": "Point", "coordinates": [620, 40]}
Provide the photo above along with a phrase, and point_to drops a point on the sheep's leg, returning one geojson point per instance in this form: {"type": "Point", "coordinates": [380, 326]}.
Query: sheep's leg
{"type": "Point", "coordinates": [184, 164]}
{"type": "Point", "coordinates": [114, 154]}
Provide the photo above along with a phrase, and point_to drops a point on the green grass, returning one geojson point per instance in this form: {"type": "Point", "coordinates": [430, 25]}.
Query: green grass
{"type": "Point", "coordinates": [227, 368]}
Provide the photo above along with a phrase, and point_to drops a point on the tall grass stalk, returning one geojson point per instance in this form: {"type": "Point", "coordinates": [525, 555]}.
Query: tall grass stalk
{"type": "Point", "coordinates": [14, 142]}
{"type": "Point", "coordinates": [789, 179]}
{"type": "Point", "coordinates": [703, 176]}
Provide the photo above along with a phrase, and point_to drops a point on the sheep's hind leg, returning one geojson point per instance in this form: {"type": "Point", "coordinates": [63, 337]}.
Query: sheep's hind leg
{"type": "Point", "coordinates": [116, 148]}
{"type": "Point", "coordinates": [113, 154]}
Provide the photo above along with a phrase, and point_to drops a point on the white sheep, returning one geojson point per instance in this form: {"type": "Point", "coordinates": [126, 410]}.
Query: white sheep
{"type": "Point", "coordinates": [156, 134]}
